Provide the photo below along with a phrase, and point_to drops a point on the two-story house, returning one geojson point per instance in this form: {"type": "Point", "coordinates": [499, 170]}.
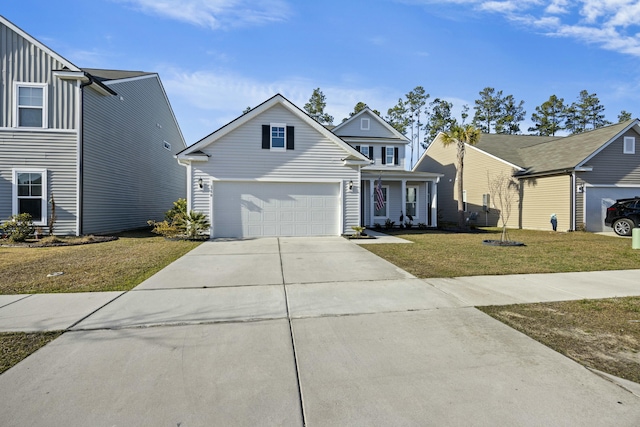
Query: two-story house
{"type": "Point", "coordinates": [275, 171]}
{"type": "Point", "coordinates": [100, 144]}
{"type": "Point", "coordinates": [409, 195]}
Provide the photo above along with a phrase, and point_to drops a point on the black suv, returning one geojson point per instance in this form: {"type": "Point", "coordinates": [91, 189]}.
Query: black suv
{"type": "Point", "coordinates": [623, 216]}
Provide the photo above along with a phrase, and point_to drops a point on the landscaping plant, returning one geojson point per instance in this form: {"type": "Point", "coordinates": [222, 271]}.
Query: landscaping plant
{"type": "Point", "coordinates": [18, 227]}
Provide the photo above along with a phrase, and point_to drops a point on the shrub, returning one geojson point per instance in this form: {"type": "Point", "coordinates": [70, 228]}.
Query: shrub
{"type": "Point", "coordinates": [193, 225]}
{"type": "Point", "coordinates": [179, 223]}
{"type": "Point", "coordinates": [18, 227]}
{"type": "Point", "coordinates": [388, 224]}
{"type": "Point", "coordinates": [179, 208]}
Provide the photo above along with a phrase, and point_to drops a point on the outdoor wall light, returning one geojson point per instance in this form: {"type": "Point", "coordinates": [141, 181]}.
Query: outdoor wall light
{"type": "Point", "coordinates": [200, 183]}
{"type": "Point", "coordinates": [350, 185]}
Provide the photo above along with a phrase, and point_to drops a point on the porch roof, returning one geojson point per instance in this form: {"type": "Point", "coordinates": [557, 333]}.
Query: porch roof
{"type": "Point", "coordinates": [386, 174]}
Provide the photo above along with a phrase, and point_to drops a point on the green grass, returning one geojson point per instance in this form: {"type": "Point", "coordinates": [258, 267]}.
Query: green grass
{"type": "Point", "coordinates": [15, 346]}
{"type": "Point", "coordinates": [118, 265]}
{"type": "Point", "coordinates": [447, 254]}
{"type": "Point", "coordinates": [602, 334]}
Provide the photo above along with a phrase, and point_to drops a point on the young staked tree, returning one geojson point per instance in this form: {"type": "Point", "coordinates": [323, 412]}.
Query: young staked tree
{"type": "Point", "coordinates": [315, 107]}
{"type": "Point", "coordinates": [549, 117]}
{"type": "Point", "coordinates": [460, 136]}
{"type": "Point", "coordinates": [503, 189]}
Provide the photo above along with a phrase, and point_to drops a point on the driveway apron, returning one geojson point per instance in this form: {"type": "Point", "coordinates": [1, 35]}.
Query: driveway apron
{"type": "Point", "coordinates": [292, 332]}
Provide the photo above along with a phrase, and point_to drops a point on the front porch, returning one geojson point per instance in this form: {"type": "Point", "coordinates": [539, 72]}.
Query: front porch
{"type": "Point", "coordinates": [406, 194]}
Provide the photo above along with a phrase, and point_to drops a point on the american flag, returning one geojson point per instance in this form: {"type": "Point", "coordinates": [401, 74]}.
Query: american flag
{"type": "Point", "coordinates": [379, 195]}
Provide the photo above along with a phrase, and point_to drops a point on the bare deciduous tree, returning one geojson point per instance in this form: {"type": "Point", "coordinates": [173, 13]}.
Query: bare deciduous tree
{"type": "Point", "coordinates": [503, 189]}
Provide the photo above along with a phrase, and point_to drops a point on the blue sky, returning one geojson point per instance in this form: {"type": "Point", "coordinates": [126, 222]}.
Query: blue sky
{"type": "Point", "coordinates": [216, 57]}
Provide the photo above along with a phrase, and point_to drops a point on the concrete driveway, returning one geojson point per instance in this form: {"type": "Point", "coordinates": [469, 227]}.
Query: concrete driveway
{"type": "Point", "coordinates": [301, 332]}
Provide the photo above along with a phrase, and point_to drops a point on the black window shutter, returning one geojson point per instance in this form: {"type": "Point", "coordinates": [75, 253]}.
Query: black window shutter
{"type": "Point", "coordinates": [371, 152]}
{"type": "Point", "coordinates": [290, 138]}
{"type": "Point", "coordinates": [384, 155]}
{"type": "Point", "coordinates": [395, 156]}
{"type": "Point", "coordinates": [266, 137]}
{"type": "Point", "coordinates": [358, 148]}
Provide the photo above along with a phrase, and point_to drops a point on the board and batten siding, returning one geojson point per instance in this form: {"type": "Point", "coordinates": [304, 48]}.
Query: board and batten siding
{"type": "Point", "coordinates": [129, 177]}
{"type": "Point", "coordinates": [239, 156]}
{"type": "Point", "coordinates": [544, 196]}
{"type": "Point", "coordinates": [22, 61]}
{"type": "Point", "coordinates": [52, 150]}
{"type": "Point", "coordinates": [612, 167]}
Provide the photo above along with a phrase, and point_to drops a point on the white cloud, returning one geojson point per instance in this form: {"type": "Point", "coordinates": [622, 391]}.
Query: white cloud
{"type": "Point", "coordinates": [216, 14]}
{"type": "Point", "coordinates": [215, 98]}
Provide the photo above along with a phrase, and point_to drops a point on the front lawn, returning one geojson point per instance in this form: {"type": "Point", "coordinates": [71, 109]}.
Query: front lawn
{"type": "Point", "coordinates": [436, 253]}
{"type": "Point", "coordinates": [118, 265]}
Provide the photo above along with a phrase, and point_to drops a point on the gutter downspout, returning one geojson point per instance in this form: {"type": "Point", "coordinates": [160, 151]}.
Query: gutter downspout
{"type": "Point", "coordinates": [79, 224]}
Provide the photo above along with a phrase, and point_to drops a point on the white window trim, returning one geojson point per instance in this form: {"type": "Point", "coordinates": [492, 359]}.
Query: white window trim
{"type": "Point", "coordinates": [365, 147]}
{"type": "Point", "coordinates": [280, 125]}
{"type": "Point", "coordinates": [393, 156]}
{"type": "Point", "coordinates": [417, 188]}
{"type": "Point", "coordinates": [365, 123]}
{"type": "Point", "coordinates": [629, 146]}
{"type": "Point", "coordinates": [44, 197]}
{"type": "Point", "coordinates": [45, 104]}
{"type": "Point", "coordinates": [386, 203]}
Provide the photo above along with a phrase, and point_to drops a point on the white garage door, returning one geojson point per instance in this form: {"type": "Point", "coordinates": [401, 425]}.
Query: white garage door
{"type": "Point", "coordinates": [598, 199]}
{"type": "Point", "coordinates": [258, 209]}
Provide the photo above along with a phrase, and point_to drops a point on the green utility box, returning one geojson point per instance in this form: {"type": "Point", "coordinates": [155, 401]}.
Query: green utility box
{"type": "Point", "coordinates": [635, 238]}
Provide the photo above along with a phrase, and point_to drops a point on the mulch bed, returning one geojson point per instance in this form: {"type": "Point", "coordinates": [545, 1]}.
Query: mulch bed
{"type": "Point", "coordinates": [60, 241]}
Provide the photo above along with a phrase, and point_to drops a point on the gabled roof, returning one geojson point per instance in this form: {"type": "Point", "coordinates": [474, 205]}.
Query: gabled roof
{"type": "Point", "coordinates": [572, 151]}
{"type": "Point", "coordinates": [38, 44]}
{"type": "Point", "coordinates": [544, 154]}
{"type": "Point", "coordinates": [277, 99]}
{"type": "Point", "coordinates": [367, 111]}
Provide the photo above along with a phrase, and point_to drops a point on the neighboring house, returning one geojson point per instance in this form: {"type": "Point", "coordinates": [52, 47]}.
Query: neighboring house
{"type": "Point", "coordinates": [576, 177]}
{"type": "Point", "coordinates": [101, 143]}
{"type": "Point", "coordinates": [275, 171]}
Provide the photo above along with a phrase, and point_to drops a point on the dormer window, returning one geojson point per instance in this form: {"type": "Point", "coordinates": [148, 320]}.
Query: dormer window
{"type": "Point", "coordinates": [31, 101]}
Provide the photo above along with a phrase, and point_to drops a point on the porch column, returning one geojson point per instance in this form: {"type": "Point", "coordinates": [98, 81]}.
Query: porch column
{"type": "Point", "coordinates": [434, 203]}
{"type": "Point", "coordinates": [372, 196]}
{"type": "Point", "coordinates": [403, 197]}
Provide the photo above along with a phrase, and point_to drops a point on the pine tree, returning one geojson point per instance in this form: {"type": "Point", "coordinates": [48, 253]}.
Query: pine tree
{"type": "Point", "coordinates": [315, 107]}
{"type": "Point", "coordinates": [549, 117]}
{"type": "Point", "coordinates": [488, 109]}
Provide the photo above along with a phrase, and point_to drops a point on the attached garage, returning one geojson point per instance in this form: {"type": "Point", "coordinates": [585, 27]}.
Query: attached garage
{"type": "Point", "coordinates": [261, 209]}
{"type": "Point", "coordinates": [598, 199]}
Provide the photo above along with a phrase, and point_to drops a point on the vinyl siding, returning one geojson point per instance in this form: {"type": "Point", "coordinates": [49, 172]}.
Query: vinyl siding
{"type": "Point", "coordinates": [612, 167]}
{"type": "Point", "coordinates": [22, 61]}
{"type": "Point", "coordinates": [54, 151]}
{"type": "Point", "coordinates": [479, 168]}
{"type": "Point", "coordinates": [239, 156]}
{"type": "Point", "coordinates": [543, 196]}
{"type": "Point", "coordinates": [376, 129]}
{"type": "Point", "coordinates": [129, 177]}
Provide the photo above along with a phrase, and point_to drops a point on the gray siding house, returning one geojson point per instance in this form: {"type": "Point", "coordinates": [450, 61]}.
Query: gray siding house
{"type": "Point", "coordinates": [275, 171]}
{"type": "Point", "coordinates": [101, 143]}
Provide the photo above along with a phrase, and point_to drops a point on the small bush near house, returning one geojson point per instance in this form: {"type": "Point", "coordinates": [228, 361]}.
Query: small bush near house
{"type": "Point", "coordinates": [180, 224]}
{"type": "Point", "coordinates": [18, 227]}
{"type": "Point", "coordinates": [388, 224]}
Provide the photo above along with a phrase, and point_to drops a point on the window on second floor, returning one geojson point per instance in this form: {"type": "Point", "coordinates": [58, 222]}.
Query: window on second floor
{"type": "Point", "coordinates": [389, 155]}
{"type": "Point", "coordinates": [31, 103]}
{"type": "Point", "coordinates": [629, 145]}
{"type": "Point", "coordinates": [277, 137]}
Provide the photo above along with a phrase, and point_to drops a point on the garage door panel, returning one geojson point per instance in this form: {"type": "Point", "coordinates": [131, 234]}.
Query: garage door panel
{"type": "Point", "coordinates": [598, 199]}
{"type": "Point", "coordinates": [275, 209]}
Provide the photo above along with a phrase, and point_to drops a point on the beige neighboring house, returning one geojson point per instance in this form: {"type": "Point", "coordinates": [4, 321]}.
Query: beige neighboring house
{"type": "Point", "coordinates": [575, 177]}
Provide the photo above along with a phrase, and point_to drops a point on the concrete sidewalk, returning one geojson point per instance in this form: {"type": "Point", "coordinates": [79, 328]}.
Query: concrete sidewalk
{"type": "Point", "coordinates": [287, 331]}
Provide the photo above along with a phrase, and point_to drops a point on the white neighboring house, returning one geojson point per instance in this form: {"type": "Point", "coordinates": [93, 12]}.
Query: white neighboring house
{"type": "Point", "coordinates": [100, 142]}
{"type": "Point", "coordinates": [275, 171]}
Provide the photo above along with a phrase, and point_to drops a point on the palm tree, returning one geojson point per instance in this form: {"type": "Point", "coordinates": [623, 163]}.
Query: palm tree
{"type": "Point", "coordinates": [461, 135]}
